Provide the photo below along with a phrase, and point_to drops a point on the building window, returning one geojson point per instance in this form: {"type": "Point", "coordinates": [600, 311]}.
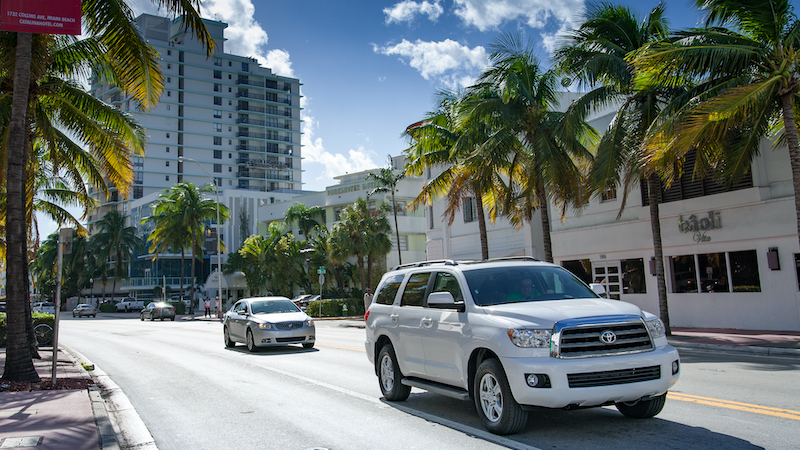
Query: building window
{"type": "Point", "coordinates": [217, 154]}
{"type": "Point", "coordinates": [230, 169]}
{"type": "Point", "coordinates": [684, 274]}
{"type": "Point", "coordinates": [218, 127]}
{"type": "Point", "coordinates": [744, 271]}
{"type": "Point", "coordinates": [167, 163]}
{"type": "Point", "coordinates": [399, 206]}
{"type": "Point", "coordinates": [167, 178]}
{"type": "Point", "coordinates": [403, 242]}
{"type": "Point", "coordinates": [713, 272]}
{"type": "Point", "coordinates": [245, 67]}
{"type": "Point", "coordinates": [167, 135]}
{"type": "Point", "coordinates": [138, 192]}
{"type": "Point", "coordinates": [219, 182]}
{"type": "Point", "coordinates": [470, 209]}
{"type": "Point", "coordinates": [218, 168]}
{"type": "Point", "coordinates": [167, 149]}
{"type": "Point", "coordinates": [217, 100]}
{"type": "Point", "coordinates": [169, 94]}
{"type": "Point", "coordinates": [169, 52]}
{"type": "Point", "coordinates": [218, 74]}
{"type": "Point", "coordinates": [337, 213]}
{"type": "Point", "coordinates": [633, 276]}
{"type": "Point", "coordinates": [167, 107]}
{"type": "Point", "coordinates": [609, 194]}
{"type": "Point", "coordinates": [217, 140]}
{"type": "Point", "coordinates": [217, 114]}
{"type": "Point", "coordinates": [217, 61]}
{"type": "Point", "coordinates": [581, 268]}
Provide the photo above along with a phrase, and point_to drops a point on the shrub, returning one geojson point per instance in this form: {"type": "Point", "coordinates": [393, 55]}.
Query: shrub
{"type": "Point", "coordinates": [334, 307]}
{"type": "Point", "coordinates": [107, 307]}
{"type": "Point", "coordinates": [180, 307]}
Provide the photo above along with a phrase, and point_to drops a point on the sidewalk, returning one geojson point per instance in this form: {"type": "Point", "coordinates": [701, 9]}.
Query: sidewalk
{"type": "Point", "coordinates": [85, 420]}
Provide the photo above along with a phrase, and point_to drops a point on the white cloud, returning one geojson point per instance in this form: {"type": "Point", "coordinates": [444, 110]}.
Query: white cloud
{"type": "Point", "coordinates": [278, 61]}
{"type": "Point", "coordinates": [332, 164]}
{"type": "Point", "coordinates": [489, 14]}
{"type": "Point", "coordinates": [447, 61]}
{"type": "Point", "coordinates": [406, 10]}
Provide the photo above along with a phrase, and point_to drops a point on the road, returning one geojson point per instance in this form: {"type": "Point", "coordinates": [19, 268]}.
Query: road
{"type": "Point", "coordinates": [192, 392]}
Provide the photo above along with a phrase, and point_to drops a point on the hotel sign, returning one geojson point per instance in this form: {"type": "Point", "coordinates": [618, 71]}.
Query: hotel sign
{"type": "Point", "coordinates": [41, 16]}
{"type": "Point", "coordinates": [352, 188]}
{"type": "Point", "coordinates": [699, 226]}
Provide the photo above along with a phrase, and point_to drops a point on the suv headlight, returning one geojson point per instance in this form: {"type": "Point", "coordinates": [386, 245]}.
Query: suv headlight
{"type": "Point", "coordinates": [530, 338]}
{"type": "Point", "coordinates": [656, 328]}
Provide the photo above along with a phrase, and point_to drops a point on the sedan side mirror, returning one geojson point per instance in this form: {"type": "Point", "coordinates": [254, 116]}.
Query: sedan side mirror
{"type": "Point", "coordinates": [444, 300]}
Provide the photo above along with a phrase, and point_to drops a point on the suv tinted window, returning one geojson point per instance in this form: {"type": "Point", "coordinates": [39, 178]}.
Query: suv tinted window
{"type": "Point", "coordinates": [415, 289]}
{"type": "Point", "coordinates": [387, 292]}
{"type": "Point", "coordinates": [447, 282]}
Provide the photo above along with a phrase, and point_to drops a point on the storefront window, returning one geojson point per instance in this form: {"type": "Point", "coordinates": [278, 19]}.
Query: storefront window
{"type": "Point", "coordinates": [713, 272]}
{"type": "Point", "coordinates": [633, 280]}
{"type": "Point", "coordinates": [684, 275]}
{"type": "Point", "coordinates": [744, 271]}
{"type": "Point", "coordinates": [582, 268]}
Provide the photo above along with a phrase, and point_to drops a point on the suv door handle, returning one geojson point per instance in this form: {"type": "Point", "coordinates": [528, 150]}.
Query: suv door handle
{"type": "Point", "coordinates": [394, 317]}
{"type": "Point", "coordinates": [427, 322]}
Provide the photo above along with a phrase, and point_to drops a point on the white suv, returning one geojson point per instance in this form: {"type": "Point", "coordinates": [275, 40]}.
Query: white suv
{"type": "Point", "coordinates": [512, 335]}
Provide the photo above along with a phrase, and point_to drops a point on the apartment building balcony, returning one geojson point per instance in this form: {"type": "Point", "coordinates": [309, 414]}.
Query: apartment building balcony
{"type": "Point", "coordinates": [251, 95]}
{"type": "Point", "coordinates": [251, 148]}
{"type": "Point", "coordinates": [261, 175]}
{"type": "Point", "coordinates": [251, 108]}
{"type": "Point", "coordinates": [251, 121]}
{"type": "Point", "coordinates": [251, 134]}
{"type": "Point", "coordinates": [249, 82]}
{"type": "Point", "coordinates": [148, 283]}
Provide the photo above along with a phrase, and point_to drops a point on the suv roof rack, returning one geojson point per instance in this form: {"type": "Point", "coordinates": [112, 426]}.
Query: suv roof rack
{"type": "Point", "coordinates": [446, 262]}
{"type": "Point", "coordinates": [513, 258]}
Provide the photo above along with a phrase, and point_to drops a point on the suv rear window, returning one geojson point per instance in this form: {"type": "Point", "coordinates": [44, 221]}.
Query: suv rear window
{"type": "Point", "coordinates": [387, 292]}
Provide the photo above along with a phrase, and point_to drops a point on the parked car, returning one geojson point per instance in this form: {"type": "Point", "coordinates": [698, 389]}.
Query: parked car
{"type": "Point", "coordinates": [513, 335]}
{"type": "Point", "coordinates": [158, 310]}
{"type": "Point", "coordinates": [44, 307]}
{"type": "Point", "coordinates": [267, 321]}
{"type": "Point", "coordinates": [130, 304]}
{"type": "Point", "coordinates": [84, 309]}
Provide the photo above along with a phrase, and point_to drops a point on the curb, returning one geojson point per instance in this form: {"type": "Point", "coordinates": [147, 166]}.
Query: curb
{"type": "Point", "coordinates": [746, 349]}
{"type": "Point", "coordinates": [118, 424]}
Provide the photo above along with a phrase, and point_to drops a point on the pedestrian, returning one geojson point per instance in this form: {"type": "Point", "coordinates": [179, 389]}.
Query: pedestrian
{"type": "Point", "coordinates": [207, 307]}
{"type": "Point", "coordinates": [367, 299]}
{"type": "Point", "coordinates": [216, 307]}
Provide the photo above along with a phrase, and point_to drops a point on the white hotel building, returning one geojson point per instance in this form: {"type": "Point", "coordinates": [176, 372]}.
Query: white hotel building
{"type": "Point", "coordinates": [731, 257]}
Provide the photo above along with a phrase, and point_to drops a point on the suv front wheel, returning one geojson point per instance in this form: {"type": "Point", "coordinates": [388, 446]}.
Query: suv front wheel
{"type": "Point", "coordinates": [389, 376]}
{"type": "Point", "coordinates": [501, 414]}
{"type": "Point", "coordinates": [643, 409]}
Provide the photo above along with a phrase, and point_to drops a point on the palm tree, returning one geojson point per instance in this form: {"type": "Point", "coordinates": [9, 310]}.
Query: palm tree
{"type": "Point", "coordinates": [470, 168]}
{"type": "Point", "coordinates": [256, 258]}
{"type": "Point", "coordinates": [597, 54]}
{"type": "Point", "coordinates": [545, 146]}
{"type": "Point", "coordinates": [180, 218]}
{"type": "Point", "coordinates": [749, 77]}
{"type": "Point", "coordinates": [388, 179]}
{"type": "Point", "coordinates": [304, 216]}
{"type": "Point", "coordinates": [116, 240]}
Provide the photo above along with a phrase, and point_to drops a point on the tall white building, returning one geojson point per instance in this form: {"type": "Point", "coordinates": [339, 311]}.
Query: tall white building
{"type": "Point", "coordinates": [233, 121]}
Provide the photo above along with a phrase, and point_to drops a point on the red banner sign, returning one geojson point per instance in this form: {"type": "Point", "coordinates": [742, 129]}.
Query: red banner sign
{"type": "Point", "coordinates": [41, 16]}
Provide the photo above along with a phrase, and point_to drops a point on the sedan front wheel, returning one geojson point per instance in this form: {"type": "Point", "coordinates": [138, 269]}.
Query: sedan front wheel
{"type": "Point", "coordinates": [251, 343]}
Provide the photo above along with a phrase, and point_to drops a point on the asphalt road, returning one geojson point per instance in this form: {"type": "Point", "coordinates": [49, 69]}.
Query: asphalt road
{"type": "Point", "coordinates": [192, 392]}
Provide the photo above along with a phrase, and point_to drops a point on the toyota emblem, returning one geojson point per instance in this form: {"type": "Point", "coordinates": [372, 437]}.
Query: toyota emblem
{"type": "Point", "coordinates": [608, 337]}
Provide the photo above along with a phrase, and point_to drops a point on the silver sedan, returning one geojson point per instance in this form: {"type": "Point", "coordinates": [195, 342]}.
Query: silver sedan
{"type": "Point", "coordinates": [267, 321]}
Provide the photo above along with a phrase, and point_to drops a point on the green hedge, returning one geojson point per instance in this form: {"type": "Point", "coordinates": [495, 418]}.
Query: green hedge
{"type": "Point", "coordinates": [107, 307]}
{"type": "Point", "coordinates": [335, 307]}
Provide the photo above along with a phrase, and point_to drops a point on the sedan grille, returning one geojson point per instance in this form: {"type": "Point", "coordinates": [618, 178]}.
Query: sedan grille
{"type": "Point", "coordinates": [289, 325]}
{"type": "Point", "coordinates": [611, 377]}
{"type": "Point", "coordinates": [602, 336]}
{"type": "Point", "coordinates": [291, 339]}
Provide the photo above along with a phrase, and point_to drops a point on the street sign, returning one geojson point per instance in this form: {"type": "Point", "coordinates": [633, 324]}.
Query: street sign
{"type": "Point", "coordinates": [321, 270]}
{"type": "Point", "coordinates": [321, 280]}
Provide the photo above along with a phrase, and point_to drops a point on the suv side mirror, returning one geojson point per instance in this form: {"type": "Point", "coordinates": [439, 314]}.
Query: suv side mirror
{"type": "Point", "coordinates": [444, 300]}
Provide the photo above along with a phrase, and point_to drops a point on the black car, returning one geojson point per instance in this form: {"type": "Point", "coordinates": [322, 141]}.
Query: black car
{"type": "Point", "coordinates": [158, 310]}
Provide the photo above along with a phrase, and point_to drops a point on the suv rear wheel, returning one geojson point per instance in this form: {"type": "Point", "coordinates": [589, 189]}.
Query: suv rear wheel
{"type": "Point", "coordinates": [643, 409]}
{"type": "Point", "coordinates": [389, 376]}
{"type": "Point", "coordinates": [501, 414]}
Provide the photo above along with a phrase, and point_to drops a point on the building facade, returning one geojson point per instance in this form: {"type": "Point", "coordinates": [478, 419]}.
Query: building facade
{"type": "Point", "coordinates": [221, 119]}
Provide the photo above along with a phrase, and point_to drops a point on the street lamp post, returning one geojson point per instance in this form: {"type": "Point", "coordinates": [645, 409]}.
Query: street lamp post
{"type": "Point", "coordinates": [219, 252]}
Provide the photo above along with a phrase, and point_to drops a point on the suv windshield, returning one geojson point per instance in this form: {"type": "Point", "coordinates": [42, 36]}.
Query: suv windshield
{"type": "Point", "coordinates": [494, 286]}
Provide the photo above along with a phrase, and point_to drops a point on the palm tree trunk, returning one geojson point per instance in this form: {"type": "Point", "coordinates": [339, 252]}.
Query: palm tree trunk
{"type": "Point", "coordinates": [19, 362]}
{"type": "Point", "coordinates": [361, 273]}
{"type": "Point", "coordinates": [654, 192]}
{"type": "Point", "coordinates": [482, 227]}
{"type": "Point", "coordinates": [396, 231]}
{"type": "Point", "coordinates": [183, 256]}
{"type": "Point", "coordinates": [790, 125]}
{"type": "Point", "coordinates": [541, 197]}
{"type": "Point", "coordinates": [191, 289]}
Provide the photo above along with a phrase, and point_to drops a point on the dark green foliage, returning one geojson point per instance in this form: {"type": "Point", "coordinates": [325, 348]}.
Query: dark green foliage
{"type": "Point", "coordinates": [334, 307]}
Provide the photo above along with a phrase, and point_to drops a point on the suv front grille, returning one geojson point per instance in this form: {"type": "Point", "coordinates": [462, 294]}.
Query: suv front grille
{"type": "Point", "coordinates": [611, 377]}
{"type": "Point", "coordinates": [624, 334]}
{"type": "Point", "coordinates": [289, 325]}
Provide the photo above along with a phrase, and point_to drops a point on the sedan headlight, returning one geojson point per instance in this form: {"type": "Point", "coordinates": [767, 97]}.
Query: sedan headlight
{"type": "Point", "coordinates": [530, 338]}
{"type": "Point", "coordinates": [309, 323]}
{"type": "Point", "coordinates": [265, 326]}
{"type": "Point", "coordinates": [656, 328]}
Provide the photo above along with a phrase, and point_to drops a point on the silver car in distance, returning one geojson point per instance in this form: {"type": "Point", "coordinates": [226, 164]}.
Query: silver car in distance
{"type": "Point", "coordinates": [266, 322]}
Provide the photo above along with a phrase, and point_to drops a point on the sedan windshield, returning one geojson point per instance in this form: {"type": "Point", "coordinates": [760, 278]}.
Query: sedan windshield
{"type": "Point", "coordinates": [524, 284]}
{"type": "Point", "coordinates": [273, 306]}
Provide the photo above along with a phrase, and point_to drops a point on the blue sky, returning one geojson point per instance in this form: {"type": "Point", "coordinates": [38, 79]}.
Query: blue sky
{"type": "Point", "coordinates": [370, 68]}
